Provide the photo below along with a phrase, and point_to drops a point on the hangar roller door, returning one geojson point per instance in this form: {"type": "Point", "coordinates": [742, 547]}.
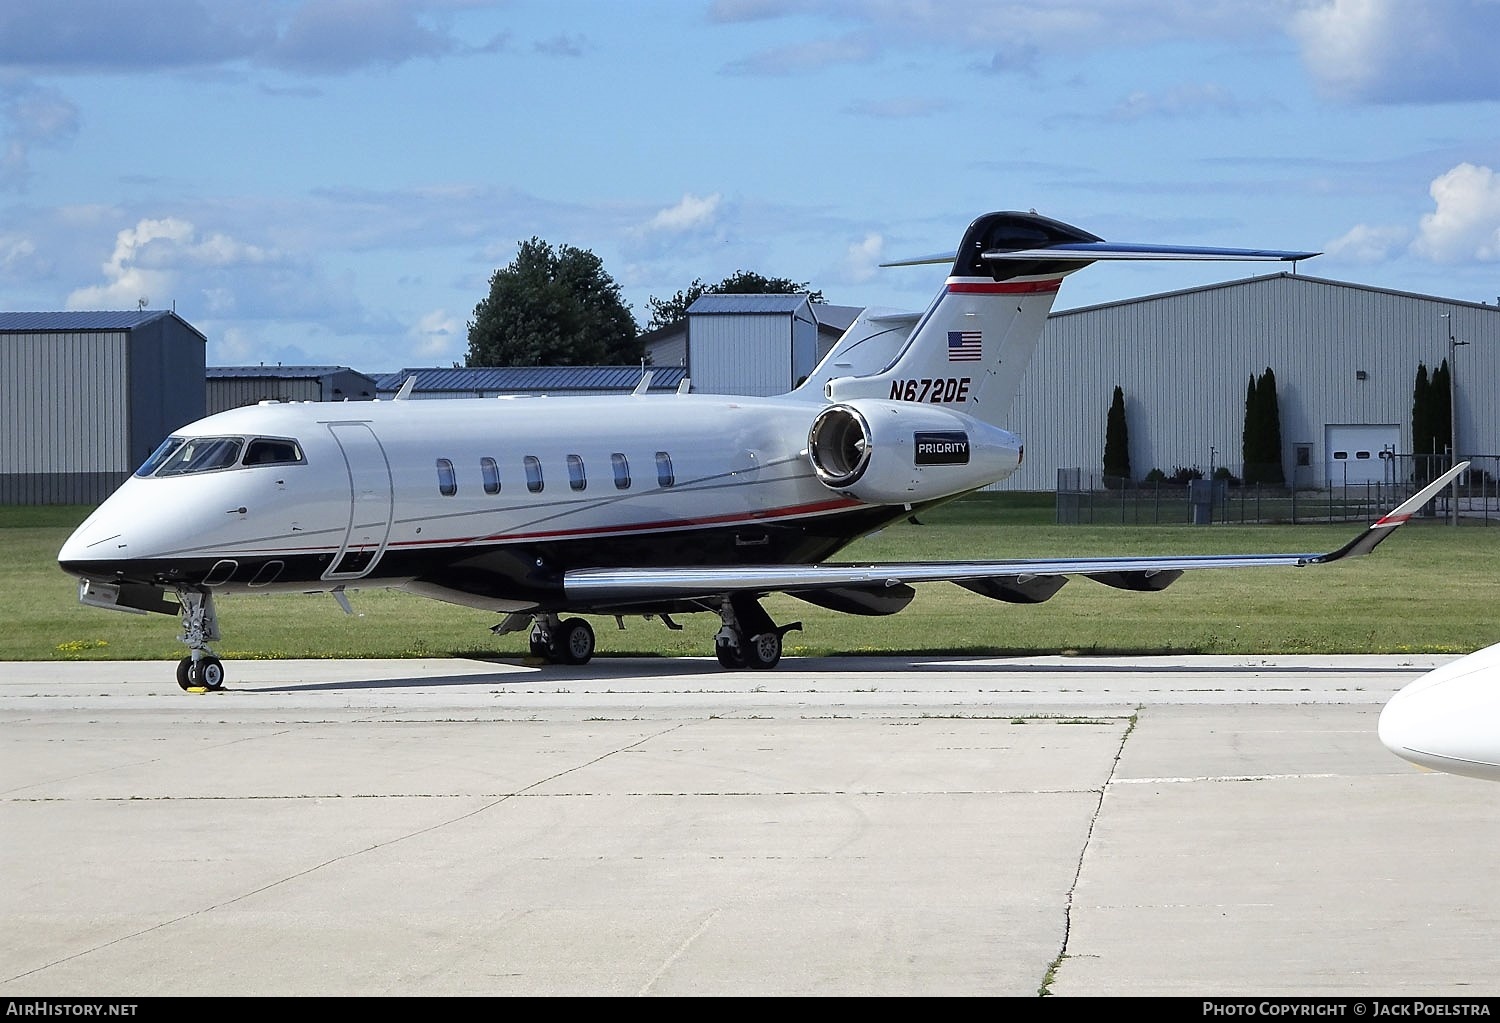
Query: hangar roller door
{"type": "Point", "coordinates": [1361, 453]}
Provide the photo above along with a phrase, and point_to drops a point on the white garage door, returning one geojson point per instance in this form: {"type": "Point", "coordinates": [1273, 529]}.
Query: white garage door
{"type": "Point", "coordinates": [1361, 453]}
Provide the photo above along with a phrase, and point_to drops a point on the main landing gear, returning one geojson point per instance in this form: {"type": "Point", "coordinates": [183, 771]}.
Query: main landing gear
{"type": "Point", "coordinates": [201, 669]}
{"type": "Point", "coordinates": [748, 638]}
{"type": "Point", "coordinates": [566, 641]}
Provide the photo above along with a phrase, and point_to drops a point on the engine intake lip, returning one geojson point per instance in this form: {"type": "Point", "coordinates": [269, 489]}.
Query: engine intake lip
{"type": "Point", "coordinates": [839, 446]}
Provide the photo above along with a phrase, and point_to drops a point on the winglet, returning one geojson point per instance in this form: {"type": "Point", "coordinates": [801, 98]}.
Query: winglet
{"type": "Point", "coordinates": [406, 388]}
{"type": "Point", "coordinates": [644, 386]}
{"type": "Point", "coordinates": [1387, 523]}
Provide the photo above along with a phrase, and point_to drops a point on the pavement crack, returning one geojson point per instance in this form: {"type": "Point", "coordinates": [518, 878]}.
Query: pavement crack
{"type": "Point", "coordinates": [1083, 851]}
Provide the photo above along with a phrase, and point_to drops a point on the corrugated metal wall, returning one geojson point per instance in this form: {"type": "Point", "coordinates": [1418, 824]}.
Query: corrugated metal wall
{"type": "Point", "coordinates": [79, 410]}
{"type": "Point", "coordinates": [167, 360]}
{"type": "Point", "coordinates": [748, 354]}
{"type": "Point", "coordinates": [232, 392]}
{"type": "Point", "coordinates": [63, 413]}
{"type": "Point", "coordinates": [1183, 361]}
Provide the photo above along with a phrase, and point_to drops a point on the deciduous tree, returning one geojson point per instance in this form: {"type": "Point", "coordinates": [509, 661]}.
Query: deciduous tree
{"type": "Point", "coordinates": [553, 307]}
{"type": "Point", "coordinates": [665, 312]}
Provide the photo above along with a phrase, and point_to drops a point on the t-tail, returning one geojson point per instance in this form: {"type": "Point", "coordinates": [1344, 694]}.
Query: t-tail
{"type": "Point", "coordinates": [970, 350]}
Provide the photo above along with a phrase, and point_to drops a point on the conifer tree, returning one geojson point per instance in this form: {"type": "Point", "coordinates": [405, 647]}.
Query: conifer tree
{"type": "Point", "coordinates": [1421, 425]}
{"type": "Point", "coordinates": [1116, 440]}
{"type": "Point", "coordinates": [1442, 414]}
{"type": "Point", "coordinates": [1269, 411]}
{"type": "Point", "coordinates": [1260, 440]}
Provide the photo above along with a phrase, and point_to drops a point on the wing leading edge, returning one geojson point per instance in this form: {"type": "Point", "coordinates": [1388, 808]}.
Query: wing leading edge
{"type": "Point", "coordinates": [1026, 580]}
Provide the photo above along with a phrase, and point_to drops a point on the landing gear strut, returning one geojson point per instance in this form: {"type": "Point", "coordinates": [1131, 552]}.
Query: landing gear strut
{"type": "Point", "coordinates": [201, 669]}
{"type": "Point", "coordinates": [569, 641]}
{"type": "Point", "coordinates": [748, 638]}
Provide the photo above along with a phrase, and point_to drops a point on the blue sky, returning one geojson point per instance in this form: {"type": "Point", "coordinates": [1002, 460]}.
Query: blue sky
{"type": "Point", "coordinates": [334, 181]}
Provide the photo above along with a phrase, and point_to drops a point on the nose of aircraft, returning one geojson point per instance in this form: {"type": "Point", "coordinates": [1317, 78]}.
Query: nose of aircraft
{"type": "Point", "coordinates": [1449, 719]}
{"type": "Point", "coordinates": [102, 544]}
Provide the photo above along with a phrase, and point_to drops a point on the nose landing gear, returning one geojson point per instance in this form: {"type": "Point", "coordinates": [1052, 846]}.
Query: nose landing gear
{"type": "Point", "coordinates": [201, 669]}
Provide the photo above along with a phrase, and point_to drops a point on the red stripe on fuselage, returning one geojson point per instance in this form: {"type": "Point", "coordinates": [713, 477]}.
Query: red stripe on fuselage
{"type": "Point", "coordinates": [1004, 287]}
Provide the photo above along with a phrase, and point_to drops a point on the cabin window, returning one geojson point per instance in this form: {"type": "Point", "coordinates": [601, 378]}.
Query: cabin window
{"type": "Point", "coordinates": [622, 470]}
{"type": "Point", "coordinates": [491, 473]}
{"type": "Point", "coordinates": [201, 454]}
{"type": "Point", "coordinates": [577, 479]}
{"type": "Point", "coordinates": [1339, 456]}
{"type": "Point", "coordinates": [270, 451]}
{"type": "Point", "coordinates": [533, 474]}
{"type": "Point", "coordinates": [664, 475]}
{"type": "Point", "coordinates": [447, 479]}
{"type": "Point", "coordinates": [1361, 455]}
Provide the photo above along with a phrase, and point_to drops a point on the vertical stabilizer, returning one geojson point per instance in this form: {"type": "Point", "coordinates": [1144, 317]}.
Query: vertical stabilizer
{"type": "Point", "coordinates": [969, 351]}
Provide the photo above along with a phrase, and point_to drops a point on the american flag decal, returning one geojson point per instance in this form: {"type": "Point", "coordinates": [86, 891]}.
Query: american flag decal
{"type": "Point", "coordinates": [965, 345]}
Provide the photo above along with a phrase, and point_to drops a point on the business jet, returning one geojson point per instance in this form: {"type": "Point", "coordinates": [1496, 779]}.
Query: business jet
{"type": "Point", "coordinates": [1449, 719]}
{"type": "Point", "coordinates": [544, 509]}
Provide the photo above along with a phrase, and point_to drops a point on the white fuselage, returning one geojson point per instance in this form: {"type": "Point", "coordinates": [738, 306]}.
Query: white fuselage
{"type": "Point", "coordinates": [1449, 719]}
{"type": "Point", "coordinates": [487, 500]}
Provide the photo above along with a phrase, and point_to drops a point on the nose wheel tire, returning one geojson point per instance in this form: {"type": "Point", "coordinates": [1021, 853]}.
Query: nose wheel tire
{"type": "Point", "coordinates": [205, 673]}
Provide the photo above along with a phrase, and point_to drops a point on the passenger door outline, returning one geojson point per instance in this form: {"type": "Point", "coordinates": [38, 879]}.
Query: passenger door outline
{"type": "Point", "coordinates": [371, 498]}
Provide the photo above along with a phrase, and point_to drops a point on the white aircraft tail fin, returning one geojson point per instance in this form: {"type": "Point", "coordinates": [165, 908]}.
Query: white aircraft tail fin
{"type": "Point", "coordinates": [970, 350]}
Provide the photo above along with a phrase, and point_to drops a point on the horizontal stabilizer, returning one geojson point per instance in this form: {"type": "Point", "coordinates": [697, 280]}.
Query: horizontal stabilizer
{"type": "Point", "coordinates": [1072, 252]}
{"type": "Point", "coordinates": [940, 257]}
{"type": "Point", "coordinates": [1069, 251]}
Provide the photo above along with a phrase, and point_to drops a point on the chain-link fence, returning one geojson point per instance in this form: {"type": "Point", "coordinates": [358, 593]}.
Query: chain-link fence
{"type": "Point", "coordinates": [1187, 497]}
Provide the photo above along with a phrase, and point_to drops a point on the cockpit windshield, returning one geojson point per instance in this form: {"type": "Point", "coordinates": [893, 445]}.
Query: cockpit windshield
{"type": "Point", "coordinates": [200, 454]}
{"type": "Point", "coordinates": [179, 456]}
{"type": "Point", "coordinates": [160, 455]}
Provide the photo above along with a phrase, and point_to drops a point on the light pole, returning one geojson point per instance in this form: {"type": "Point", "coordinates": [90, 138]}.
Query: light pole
{"type": "Point", "coordinates": [1453, 346]}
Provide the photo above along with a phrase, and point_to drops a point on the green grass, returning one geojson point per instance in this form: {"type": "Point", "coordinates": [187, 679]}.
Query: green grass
{"type": "Point", "coordinates": [1431, 588]}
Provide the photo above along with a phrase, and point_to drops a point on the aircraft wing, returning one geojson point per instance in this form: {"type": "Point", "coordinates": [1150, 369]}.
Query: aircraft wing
{"type": "Point", "coordinates": [1025, 580]}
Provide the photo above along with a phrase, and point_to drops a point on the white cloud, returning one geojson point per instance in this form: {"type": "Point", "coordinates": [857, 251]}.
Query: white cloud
{"type": "Point", "coordinates": [233, 347]}
{"type": "Point", "coordinates": [1466, 223]}
{"type": "Point", "coordinates": [15, 251]}
{"type": "Point", "coordinates": [152, 257]}
{"type": "Point", "coordinates": [437, 335]}
{"type": "Point", "coordinates": [862, 259]}
{"type": "Point", "coordinates": [1401, 50]}
{"type": "Point", "coordinates": [693, 213]}
{"type": "Point", "coordinates": [1366, 244]}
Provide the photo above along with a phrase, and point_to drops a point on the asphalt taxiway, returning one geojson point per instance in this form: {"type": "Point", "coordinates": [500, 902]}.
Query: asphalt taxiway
{"type": "Point", "coordinates": [1205, 826]}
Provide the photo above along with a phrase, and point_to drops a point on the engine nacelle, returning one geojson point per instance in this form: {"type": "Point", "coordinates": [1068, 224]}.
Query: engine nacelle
{"type": "Point", "coordinates": [900, 452]}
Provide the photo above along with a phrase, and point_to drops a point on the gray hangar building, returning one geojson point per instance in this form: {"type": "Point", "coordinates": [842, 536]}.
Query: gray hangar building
{"type": "Point", "coordinates": [85, 397]}
{"type": "Point", "coordinates": [1345, 358]}
{"type": "Point", "coordinates": [233, 386]}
